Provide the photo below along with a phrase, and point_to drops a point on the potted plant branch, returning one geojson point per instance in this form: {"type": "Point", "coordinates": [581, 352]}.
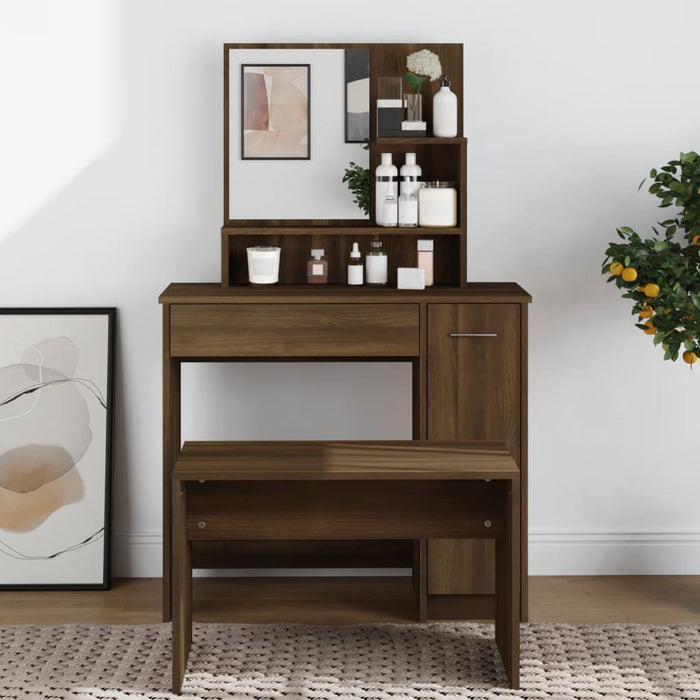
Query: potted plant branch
{"type": "Point", "coordinates": [357, 178]}
{"type": "Point", "coordinates": [661, 274]}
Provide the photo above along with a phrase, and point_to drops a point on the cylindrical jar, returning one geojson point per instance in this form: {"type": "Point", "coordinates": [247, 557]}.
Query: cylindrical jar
{"type": "Point", "coordinates": [437, 204]}
{"type": "Point", "coordinates": [376, 263]}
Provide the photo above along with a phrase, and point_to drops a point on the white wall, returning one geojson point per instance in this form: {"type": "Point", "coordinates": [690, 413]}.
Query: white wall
{"type": "Point", "coordinates": [111, 187]}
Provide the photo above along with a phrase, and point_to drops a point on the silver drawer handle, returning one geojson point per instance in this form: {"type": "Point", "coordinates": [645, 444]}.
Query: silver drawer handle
{"type": "Point", "coordinates": [473, 335]}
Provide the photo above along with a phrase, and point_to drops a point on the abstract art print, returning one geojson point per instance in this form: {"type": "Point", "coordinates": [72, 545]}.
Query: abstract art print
{"type": "Point", "coordinates": [356, 95]}
{"type": "Point", "coordinates": [275, 112]}
{"type": "Point", "coordinates": [56, 368]}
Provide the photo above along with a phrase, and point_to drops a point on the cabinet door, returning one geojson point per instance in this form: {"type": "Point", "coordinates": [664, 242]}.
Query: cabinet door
{"type": "Point", "coordinates": [473, 394]}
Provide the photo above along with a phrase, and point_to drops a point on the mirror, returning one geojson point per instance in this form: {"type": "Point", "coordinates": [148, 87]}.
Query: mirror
{"type": "Point", "coordinates": [273, 184]}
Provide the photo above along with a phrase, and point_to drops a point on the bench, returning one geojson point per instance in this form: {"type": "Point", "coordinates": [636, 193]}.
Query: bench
{"type": "Point", "coordinates": [411, 490]}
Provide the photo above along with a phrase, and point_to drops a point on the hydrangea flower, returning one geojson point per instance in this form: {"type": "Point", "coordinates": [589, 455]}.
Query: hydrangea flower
{"type": "Point", "coordinates": [422, 63]}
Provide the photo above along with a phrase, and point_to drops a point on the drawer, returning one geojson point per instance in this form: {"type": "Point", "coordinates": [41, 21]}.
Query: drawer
{"type": "Point", "coordinates": [294, 330]}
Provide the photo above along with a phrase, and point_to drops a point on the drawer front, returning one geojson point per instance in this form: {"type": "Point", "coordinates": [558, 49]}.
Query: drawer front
{"type": "Point", "coordinates": [294, 330]}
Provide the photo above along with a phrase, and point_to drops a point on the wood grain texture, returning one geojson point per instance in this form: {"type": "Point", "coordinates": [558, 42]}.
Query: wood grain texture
{"type": "Point", "coordinates": [474, 292]}
{"type": "Point", "coordinates": [273, 510]}
{"type": "Point", "coordinates": [309, 554]}
{"type": "Point", "coordinates": [400, 245]}
{"type": "Point", "coordinates": [474, 393]}
{"type": "Point", "coordinates": [459, 567]}
{"type": "Point", "coordinates": [524, 530]}
{"type": "Point", "coordinates": [171, 449]}
{"type": "Point", "coordinates": [284, 330]}
{"type": "Point", "coordinates": [584, 600]}
{"type": "Point", "coordinates": [343, 461]}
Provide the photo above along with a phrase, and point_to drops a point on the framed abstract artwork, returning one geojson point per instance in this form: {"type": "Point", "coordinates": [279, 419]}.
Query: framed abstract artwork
{"type": "Point", "coordinates": [275, 113]}
{"type": "Point", "coordinates": [56, 388]}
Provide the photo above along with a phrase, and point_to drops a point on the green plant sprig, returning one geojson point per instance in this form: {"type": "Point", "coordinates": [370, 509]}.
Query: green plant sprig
{"type": "Point", "coordinates": [670, 260]}
{"type": "Point", "coordinates": [357, 178]}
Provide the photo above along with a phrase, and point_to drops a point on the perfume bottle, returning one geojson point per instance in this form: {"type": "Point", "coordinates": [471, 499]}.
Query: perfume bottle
{"type": "Point", "coordinates": [377, 263]}
{"type": "Point", "coordinates": [317, 268]}
{"type": "Point", "coordinates": [355, 266]}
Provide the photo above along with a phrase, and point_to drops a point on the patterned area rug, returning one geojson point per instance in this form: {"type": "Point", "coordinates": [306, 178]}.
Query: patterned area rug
{"type": "Point", "coordinates": [438, 661]}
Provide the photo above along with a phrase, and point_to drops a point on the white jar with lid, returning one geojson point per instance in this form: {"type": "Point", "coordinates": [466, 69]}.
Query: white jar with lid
{"type": "Point", "coordinates": [437, 204]}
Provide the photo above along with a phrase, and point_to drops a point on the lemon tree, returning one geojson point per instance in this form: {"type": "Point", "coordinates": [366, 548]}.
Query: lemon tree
{"type": "Point", "coordinates": [661, 274]}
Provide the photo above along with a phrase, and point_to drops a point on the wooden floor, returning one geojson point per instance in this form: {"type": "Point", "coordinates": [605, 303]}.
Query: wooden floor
{"type": "Point", "coordinates": [575, 599]}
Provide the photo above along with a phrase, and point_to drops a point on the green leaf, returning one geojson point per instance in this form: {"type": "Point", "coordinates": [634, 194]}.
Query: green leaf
{"type": "Point", "coordinates": [689, 345]}
{"type": "Point", "coordinates": [627, 261]}
{"type": "Point", "coordinates": [625, 229]}
{"type": "Point", "coordinates": [414, 81]}
{"type": "Point", "coordinates": [652, 173]}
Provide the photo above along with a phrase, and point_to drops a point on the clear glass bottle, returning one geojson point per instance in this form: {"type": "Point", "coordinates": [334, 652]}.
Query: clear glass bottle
{"type": "Point", "coordinates": [377, 263]}
{"type": "Point", "coordinates": [317, 268]}
{"type": "Point", "coordinates": [355, 266]}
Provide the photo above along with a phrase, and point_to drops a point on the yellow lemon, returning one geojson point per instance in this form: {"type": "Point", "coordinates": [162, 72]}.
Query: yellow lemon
{"type": "Point", "coordinates": [616, 269]}
{"type": "Point", "coordinates": [651, 328]}
{"type": "Point", "coordinates": [629, 274]}
{"type": "Point", "coordinates": [651, 290]}
{"type": "Point", "coordinates": [695, 241]}
{"type": "Point", "coordinates": [646, 312]}
{"type": "Point", "coordinates": [690, 357]}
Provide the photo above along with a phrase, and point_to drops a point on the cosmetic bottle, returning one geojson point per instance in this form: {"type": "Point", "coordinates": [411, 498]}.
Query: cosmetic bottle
{"type": "Point", "coordinates": [355, 267]}
{"type": "Point", "coordinates": [410, 175]}
{"type": "Point", "coordinates": [317, 268]}
{"type": "Point", "coordinates": [390, 210]}
{"type": "Point", "coordinates": [445, 110]}
{"type": "Point", "coordinates": [425, 260]}
{"type": "Point", "coordinates": [377, 267]}
{"type": "Point", "coordinates": [386, 176]}
{"type": "Point", "coordinates": [408, 209]}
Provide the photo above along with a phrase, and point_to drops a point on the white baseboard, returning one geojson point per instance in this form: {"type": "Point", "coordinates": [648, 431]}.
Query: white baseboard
{"type": "Point", "coordinates": [550, 554]}
{"type": "Point", "coordinates": [614, 554]}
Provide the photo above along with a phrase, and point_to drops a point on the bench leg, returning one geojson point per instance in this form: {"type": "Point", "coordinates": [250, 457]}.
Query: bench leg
{"type": "Point", "coordinates": [182, 589]}
{"type": "Point", "coordinates": [420, 577]}
{"type": "Point", "coordinates": [508, 588]}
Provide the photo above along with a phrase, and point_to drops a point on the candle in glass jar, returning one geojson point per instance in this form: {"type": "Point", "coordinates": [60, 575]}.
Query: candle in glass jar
{"type": "Point", "coordinates": [437, 204]}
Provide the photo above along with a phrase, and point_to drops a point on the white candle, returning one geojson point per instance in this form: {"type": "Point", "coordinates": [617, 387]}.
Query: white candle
{"type": "Point", "coordinates": [437, 204]}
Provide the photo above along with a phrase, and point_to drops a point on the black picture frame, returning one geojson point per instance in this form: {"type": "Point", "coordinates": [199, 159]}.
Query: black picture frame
{"type": "Point", "coordinates": [47, 398]}
{"type": "Point", "coordinates": [251, 117]}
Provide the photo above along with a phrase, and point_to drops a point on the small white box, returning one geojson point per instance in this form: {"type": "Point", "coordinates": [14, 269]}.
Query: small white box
{"type": "Point", "coordinates": [410, 278]}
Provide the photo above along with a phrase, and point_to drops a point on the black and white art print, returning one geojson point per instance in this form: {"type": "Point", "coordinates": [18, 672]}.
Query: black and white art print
{"type": "Point", "coordinates": [56, 368]}
{"type": "Point", "coordinates": [356, 95]}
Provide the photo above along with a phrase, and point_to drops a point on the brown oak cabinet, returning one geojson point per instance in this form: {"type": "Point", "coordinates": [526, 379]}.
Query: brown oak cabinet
{"type": "Point", "coordinates": [466, 342]}
{"type": "Point", "coordinates": [474, 393]}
